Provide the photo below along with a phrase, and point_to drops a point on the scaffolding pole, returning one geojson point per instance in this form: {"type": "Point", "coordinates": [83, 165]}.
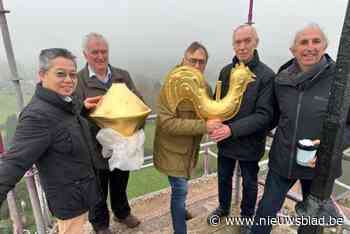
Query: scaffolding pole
{"type": "Point", "coordinates": [250, 12]}
{"type": "Point", "coordinates": [41, 229]}
{"type": "Point", "coordinates": [11, 201]}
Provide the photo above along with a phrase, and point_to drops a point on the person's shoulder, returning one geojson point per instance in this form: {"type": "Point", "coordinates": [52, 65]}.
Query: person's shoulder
{"type": "Point", "coordinates": [226, 69]}
{"type": "Point", "coordinates": [120, 74]}
{"type": "Point", "coordinates": [266, 69]}
{"type": "Point", "coordinates": [83, 75]}
{"type": "Point", "coordinates": [82, 72]}
{"type": "Point", "coordinates": [35, 109]}
{"type": "Point", "coordinates": [118, 70]}
{"type": "Point", "coordinates": [330, 63]}
{"type": "Point", "coordinates": [264, 72]}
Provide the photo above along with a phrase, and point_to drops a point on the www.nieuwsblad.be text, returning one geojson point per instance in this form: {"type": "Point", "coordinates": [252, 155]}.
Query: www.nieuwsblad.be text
{"type": "Point", "coordinates": [280, 220]}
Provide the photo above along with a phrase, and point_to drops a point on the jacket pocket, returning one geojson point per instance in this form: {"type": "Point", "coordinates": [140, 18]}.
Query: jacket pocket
{"type": "Point", "coordinates": [177, 145]}
{"type": "Point", "coordinates": [169, 159]}
{"type": "Point", "coordinates": [73, 197]}
{"type": "Point", "coordinates": [66, 201]}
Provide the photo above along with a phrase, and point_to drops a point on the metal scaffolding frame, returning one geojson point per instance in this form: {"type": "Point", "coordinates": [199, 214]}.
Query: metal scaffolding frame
{"type": "Point", "coordinates": [32, 189]}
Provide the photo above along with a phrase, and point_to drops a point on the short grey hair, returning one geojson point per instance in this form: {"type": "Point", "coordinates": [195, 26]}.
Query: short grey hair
{"type": "Point", "coordinates": [47, 55]}
{"type": "Point", "coordinates": [93, 35]}
{"type": "Point", "coordinates": [307, 26]}
{"type": "Point", "coordinates": [255, 33]}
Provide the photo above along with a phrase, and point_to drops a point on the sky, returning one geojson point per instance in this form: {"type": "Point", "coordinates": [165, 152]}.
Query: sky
{"type": "Point", "coordinates": [149, 37]}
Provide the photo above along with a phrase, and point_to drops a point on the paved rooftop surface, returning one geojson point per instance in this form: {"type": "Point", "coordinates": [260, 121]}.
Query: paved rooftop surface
{"type": "Point", "coordinates": [153, 210]}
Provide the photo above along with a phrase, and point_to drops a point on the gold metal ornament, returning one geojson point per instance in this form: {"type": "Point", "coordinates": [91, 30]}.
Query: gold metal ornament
{"type": "Point", "coordinates": [121, 110]}
{"type": "Point", "coordinates": [188, 83]}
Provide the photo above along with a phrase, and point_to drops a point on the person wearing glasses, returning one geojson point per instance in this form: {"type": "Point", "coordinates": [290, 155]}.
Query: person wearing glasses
{"type": "Point", "coordinates": [242, 138]}
{"type": "Point", "coordinates": [177, 139]}
{"type": "Point", "coordinates": [52, 135]}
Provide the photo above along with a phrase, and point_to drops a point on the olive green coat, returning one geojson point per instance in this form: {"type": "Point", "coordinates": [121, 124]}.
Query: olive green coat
{"type": "Point", "coordinates": [177, 138]}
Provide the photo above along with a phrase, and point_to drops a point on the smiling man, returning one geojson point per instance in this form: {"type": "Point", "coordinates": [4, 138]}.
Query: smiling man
{"type": "Point", "coordinates": [301, 89]}
{"type": "Point", "coordinates": [309, 47]}
{"type": "Point", "coordinates": [94, 80]}
{"type": "Point", "coordinates": [52, 135]}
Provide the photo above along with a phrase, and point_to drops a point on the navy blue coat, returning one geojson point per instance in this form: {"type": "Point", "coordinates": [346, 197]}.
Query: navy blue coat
{"type": "Point", "coordinates": [251, 124]}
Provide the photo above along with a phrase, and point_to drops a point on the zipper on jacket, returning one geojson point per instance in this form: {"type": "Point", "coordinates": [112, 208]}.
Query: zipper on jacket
{"type": "Point", "coordinates": [291, 158]}
{"type": "Point", "coordinates": [300, 97]}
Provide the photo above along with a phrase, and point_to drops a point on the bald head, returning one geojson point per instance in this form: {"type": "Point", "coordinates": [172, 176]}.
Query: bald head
{"type": "Point", "coordinates": [245, 41]}
{"type": "Point", "coordinates": [247, 27]}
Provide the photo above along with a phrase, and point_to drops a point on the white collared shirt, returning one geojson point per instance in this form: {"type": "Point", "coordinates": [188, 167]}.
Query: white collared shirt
{"type": "Point", "coordinates": [92, 74]}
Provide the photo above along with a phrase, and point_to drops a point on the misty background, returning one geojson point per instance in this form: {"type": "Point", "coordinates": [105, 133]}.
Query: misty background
{"type": "Point", "coordinates": [148, 38]}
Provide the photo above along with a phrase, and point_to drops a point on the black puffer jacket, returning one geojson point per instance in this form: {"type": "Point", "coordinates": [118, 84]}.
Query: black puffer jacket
{"type": "Point", "coordinates": [302, 100]}
{"type": "Point", "coordinates": [249, 127]}
{"type": "Point", "coordinates": [51, 135]}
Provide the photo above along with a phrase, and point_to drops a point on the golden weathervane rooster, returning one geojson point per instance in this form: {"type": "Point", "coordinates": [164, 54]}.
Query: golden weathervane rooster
{"type": "Point", "coordinates": [185, 82]}
{"type": "Point", "coordinates": [123, 111]}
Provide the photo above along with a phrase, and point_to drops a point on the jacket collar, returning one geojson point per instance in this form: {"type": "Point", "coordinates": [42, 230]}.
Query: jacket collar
{"type": "Point", "coordinates": [252, 63]}
{"type": "Point", "coordinates": [94, 83]}
{"type": "Point", "coordinates": [292, 61]}
{"type": "Point", "coordinates": [92, 74]}
{"type": "Point", "coordinates": [290, 73]}
{"type": "Point", "coordinates": [55, 99]}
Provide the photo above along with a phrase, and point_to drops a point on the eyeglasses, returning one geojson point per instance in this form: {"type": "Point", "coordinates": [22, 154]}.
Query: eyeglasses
{"type": "Point", "coordinates": [194, 61]}
{"type": "Point", "coordinates": [61, 74]}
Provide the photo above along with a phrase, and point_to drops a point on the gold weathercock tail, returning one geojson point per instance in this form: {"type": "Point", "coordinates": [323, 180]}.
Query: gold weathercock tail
{"type": "Point", "coordinates": [184, 82]}
{"type": "Point", "coordinates": [121, 110]}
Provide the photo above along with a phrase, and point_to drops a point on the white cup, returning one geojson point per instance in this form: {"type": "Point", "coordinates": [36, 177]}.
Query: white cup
{"type": "Point", "coordinates": [306, 151]}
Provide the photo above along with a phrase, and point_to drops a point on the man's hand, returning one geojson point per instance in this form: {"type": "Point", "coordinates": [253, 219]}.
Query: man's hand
{"type": "Point", "coordinates": [91, 102]}
{"type": "Point", "coordinates": [312, 162]}
{"type": "Point", "coordinates": [221, 133]}
{"type": "Point", "coordinates": [213, 124]}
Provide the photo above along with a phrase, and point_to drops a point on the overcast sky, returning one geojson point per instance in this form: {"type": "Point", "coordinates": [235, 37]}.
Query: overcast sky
{"type": "Point", "coordinates": [150, 36]}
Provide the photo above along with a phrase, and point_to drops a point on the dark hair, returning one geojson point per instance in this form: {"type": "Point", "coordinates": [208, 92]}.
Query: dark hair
{"type": "Point", "coordinates": [46, 55]}
{"type": "Point", "coordinates": [195, 46]}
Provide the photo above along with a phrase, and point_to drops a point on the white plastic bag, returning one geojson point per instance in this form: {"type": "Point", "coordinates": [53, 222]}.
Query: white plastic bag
{"type": "Point", "coordinates": [124, 153]}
